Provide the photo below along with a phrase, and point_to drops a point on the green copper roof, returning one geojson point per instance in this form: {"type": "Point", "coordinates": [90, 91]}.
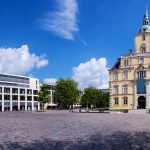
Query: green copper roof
{"type": "Point", "coordinates": [146, 12]}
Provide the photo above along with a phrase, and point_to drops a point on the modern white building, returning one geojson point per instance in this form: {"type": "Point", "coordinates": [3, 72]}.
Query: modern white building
{"type": "Point", "coordinates": [18, 93]}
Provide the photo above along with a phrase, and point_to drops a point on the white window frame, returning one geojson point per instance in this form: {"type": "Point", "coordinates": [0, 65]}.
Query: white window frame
{"type": "Point", "coordinates": [125, 75]}
{"type": "Point", "coordinates": [116, 76]}
{"type": "Point", "coordinates": [116, 89]}
{"type": "Point", "coordinates": [125, 100]}
{"type": "Point", "coordinates": [126, 62]}
{"type": "Point", "coordinates": [125, 89]}
{"type": "Point", "coordinates": [116, 101]}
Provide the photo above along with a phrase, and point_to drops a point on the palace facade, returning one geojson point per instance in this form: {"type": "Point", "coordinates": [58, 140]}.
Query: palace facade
{"type": "Point", "coordinates": [130, 76]}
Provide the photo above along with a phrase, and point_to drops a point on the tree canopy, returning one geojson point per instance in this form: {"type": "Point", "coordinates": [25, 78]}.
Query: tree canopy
{"type": "Point", "coordinates": [43, 94]}
{"type": "Point", "coordinates": [66, 92]}
{"type": "Point", "coordinates": [95, 97]}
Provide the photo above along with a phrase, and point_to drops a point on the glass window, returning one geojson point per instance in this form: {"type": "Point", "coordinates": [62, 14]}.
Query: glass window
{"type": "Point", "coordinates": [143, 49]}
{"type": "Point", "coordinates": [29, 91]}
{"type": "Point", "coordinates": [116, 100]}
{"type": "Point", "coordinates": [6, 97]}
{"type": "Point", "coordinates": [116, 76]}
{"type": "Point", "coordinates": [14, 97]}
{"type": "Point", "coordinates": [6, 90]}
{"type": "Point", "coordinates": [125, 89]}
{"type": "Point", "coordinates": [125, 75]}
{"type": "Point", "coordinates": [14, 90]}
{"type": "Point", "coordinates": [116, 89]}
{"type": "Point", "coordinates": [29, 98]}
{"type": "Point", "coordinates": [35, 92]}
{"type": "Point", "coordinates": [125, 100]}
{"type": "Point", "coordinates": [126, 62]}
{"type": "Point", "coordinates": [141, 74]}
{"type": "Point", "coordinates": [141, 60]}
{"type": "Point", "coordinates": [22, 98]}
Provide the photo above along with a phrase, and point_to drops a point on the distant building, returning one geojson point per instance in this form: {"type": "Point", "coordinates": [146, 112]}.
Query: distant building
{"type": "Point", "coordinates": [105, 90]}
{"type": "Point", "coordinates": [18, 93]}
{"type": "Point", "coordinates": [130, 75]}
{"type": "Point", "coordinates": [52, 99]}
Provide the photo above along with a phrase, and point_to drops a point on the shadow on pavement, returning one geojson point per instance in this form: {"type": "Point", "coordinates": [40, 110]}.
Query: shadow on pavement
{"type": "Point", "coordinates": [116, 141]}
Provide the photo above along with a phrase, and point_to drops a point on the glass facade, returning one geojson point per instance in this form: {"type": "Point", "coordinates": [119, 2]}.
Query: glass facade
{"type": "Point", "coordinates": [10, 78]}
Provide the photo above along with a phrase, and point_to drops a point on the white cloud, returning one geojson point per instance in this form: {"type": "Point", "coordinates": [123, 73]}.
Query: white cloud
{"type": "Point", "coordinates": [64, 21]}
{"type": "Point", "coordinates": [51, 81]}
{"type": "Point", "coordinates": [92, 73]}
{"type": "Point", "coordinates": [20, 60]}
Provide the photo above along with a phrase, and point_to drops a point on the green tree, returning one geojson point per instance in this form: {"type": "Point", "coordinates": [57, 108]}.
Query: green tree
{"type": "Point", "coordinates": [66, 92]}
{"type": "Point", "coordinates": [43, 94]}
{"type": "Point", "coordinates": [95, 97]}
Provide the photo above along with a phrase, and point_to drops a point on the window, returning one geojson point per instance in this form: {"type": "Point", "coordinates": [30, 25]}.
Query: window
{"type": "Point", "coordinates": [125, 75]}
{"type": "Point", "coordinates": [125, 100]}
{"type": "Point", "coordinates": [125, 89]}
{"type": "Point", "coordinates": [143, 37]}
{"type": "Point", "coordinates": [14, 90]}
{"type": "Point", "coordinates": [141, 60]}
{"type": "Point", "coordinates": [126, 62]}
{"type": "Point", "coordinates": [141, 74]}
{"type": "Point", "coordinates": [29, 98]}
{"type": "Point", "coordinates": [116, 89]}
{"type": "Point", "coordinates": [116, 101]}
{"type": "Point", "coordinates": [143, 48]}
{"type": "Point", "coordinates": [29, 91]}
{"type": "Point", "coordinates": [15, 97]}
{"type": "Point", "coordinates": [6, 90]}
{"type": "Point", "coordinates": [6, 97]}
{"type": "Point", "coordinates": [115, 76]}
{"type": "Point", "coordinates": [22, 91]}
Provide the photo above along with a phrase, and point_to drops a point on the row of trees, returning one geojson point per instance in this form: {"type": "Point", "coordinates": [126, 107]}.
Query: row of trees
{"type": "Point", "coordinates": [67, 93]}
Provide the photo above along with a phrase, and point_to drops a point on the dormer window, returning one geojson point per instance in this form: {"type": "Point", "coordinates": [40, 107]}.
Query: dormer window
{"type": "Point", "coordinates": [126, 62]}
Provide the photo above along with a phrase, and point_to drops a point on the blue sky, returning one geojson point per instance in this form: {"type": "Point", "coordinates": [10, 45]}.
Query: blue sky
{"type": "Point", "coordinates": [67, 34]}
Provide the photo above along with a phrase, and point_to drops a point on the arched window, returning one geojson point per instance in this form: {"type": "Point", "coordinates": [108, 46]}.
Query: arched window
{"type": "Point", "coordinates": [143, 48]}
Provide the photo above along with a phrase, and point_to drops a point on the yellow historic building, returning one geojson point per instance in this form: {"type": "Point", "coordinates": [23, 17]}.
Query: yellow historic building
{"type": "Point", "coordinates": [130, 75]}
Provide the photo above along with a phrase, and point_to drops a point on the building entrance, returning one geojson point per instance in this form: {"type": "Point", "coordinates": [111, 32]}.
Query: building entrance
{"type": "Point", "coordinates": [141, 102]}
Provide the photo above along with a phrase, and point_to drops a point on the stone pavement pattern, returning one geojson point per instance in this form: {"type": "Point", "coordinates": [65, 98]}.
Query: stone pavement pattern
{"type": "Point", "coordinates": [57, 130]}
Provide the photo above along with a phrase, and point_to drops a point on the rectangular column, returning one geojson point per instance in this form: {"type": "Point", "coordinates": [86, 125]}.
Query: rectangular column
{"type": "Point", "coordinates": [51, 97]}
{"type": "Point", "coordinates": [2, 98]}
{"type": "Point", "coordinates": [38, 106]}
{"type": "Point", "coordinates": [18, 99]}
{"type": "Point", "coordinates": [11, 99]}
{"type": "Point", "coordinates": [32, 102]}
{"type": "Point", "coordinates": [147, 95]}
{"type": "Point", "coordinates": [25, 99]}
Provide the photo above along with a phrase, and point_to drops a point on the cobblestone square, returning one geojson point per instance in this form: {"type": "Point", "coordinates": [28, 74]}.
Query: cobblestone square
{"type": "Point", "coordinates": [62, 130]}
